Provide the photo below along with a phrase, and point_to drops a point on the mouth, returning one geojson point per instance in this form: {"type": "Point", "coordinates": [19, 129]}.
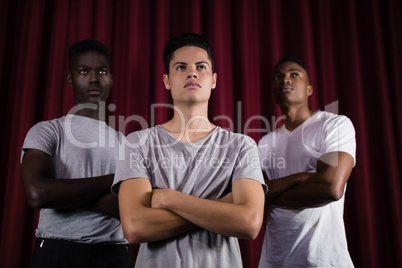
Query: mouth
{"type": "Point", "coordinates": [94, 91]}
{"type": "Point", "coordinates": [192, 84]}
{"type": "Point", "coordinates": [285, 89]}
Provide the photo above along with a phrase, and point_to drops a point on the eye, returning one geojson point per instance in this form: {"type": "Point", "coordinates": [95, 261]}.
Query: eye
{"type": "Point", "coordinates": [294, 75]}
{"type": "Point", "coordinates": [201, 67]}
{"type": "Point", "coordinates": [83, 71]}
{"type": "Point", "coordinates": [102, 71]}
{"type": "Point", "coordinates": [275, 77]}
{"type": "Point", "coordinates": [180, 68]}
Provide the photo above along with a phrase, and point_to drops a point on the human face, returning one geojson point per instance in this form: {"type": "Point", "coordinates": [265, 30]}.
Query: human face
{"type": "Point", "coordinates": [90, 77]}
{"type": "Point", "coordinates": [190, 78]}
{"type": "Point", "coordinates": [290, 84]}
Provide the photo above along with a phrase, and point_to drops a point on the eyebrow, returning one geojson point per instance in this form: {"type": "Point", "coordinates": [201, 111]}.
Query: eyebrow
{"type": "Point", "coordinates": [291, 70]}
{"type": "Point", "coordinates": [97, 67]}
{"type": "Point", "coordinates": [202, 62]}
{"type": "Point", "coordinates": [185, 63]}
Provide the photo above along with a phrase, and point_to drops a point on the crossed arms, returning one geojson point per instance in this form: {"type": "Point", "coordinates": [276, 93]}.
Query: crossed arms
{"type": "Point", "coordinates": [150, 215]}
{"type": "Point", "coordinates": [307, 190]}
{"type": "Point", "coordinates": [42, 190]}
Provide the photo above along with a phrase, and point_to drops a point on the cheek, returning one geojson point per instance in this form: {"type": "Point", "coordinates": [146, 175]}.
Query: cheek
{"type": "Point", "coordinates": [108, 83]}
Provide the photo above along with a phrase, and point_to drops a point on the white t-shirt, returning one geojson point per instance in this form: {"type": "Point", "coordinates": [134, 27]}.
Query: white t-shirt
{"type": "Point", "coordinates": [204, 169]}
{"type": "Point", "coordinates": [310, 237]}
{"type": "Point", "coordinates": [80, 147]}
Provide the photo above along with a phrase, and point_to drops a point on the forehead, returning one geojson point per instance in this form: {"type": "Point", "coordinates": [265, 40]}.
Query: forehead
{"type": "Point", "coordinates": [289, 66]}
{"type": "Point", "coordinates": [90, 58]}
{"type": "Point", "coordinates": [190, 54]}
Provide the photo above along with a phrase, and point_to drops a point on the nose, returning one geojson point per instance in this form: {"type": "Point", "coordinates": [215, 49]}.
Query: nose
{"type": "Point", "coordinates": [93, 77]}
{"type": "Point", "coordinates": [192, 75]}
{"type": "Point", "coordinates": [285, 80]}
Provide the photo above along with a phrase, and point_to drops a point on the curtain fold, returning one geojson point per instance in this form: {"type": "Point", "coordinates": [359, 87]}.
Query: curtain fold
{"type": "Point", "coordinates": [351, 48]}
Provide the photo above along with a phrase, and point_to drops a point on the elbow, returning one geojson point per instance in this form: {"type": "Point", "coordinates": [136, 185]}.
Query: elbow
{"type": "Point", "coordinates": [36, 198]}
{"type": "Point", "coordinates": [33, 204]}
{"type": "Point", "coordinates": [135, 234]}
{"type": "Point", "coordinates": [37, 194]}
{"type": "Point", "coordinates": [132, 236]}
{"type": "Point", "coordinates": [134, 239]}
{"type": "Point", "coordinates": [252, 227]}
{"type": "Point", "coordinates": [335, 192]}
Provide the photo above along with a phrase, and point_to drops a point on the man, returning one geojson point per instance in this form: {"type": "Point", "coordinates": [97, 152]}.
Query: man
{"type": "Point", "coordinates": [314, 155]}
{"type": "Point", "coordinates": [68, 166]}
{"type": "Point", "coordinates": [172, 174]}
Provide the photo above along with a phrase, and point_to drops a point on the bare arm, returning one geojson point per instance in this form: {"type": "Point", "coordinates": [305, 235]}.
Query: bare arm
{"type": "Point", "coordinates": [142, 223]}
{"type": "Point", "coordinates": [107, 204]}
{"type": "Point", "coordinates": [280, 186]}
{"type": "Point", "coordinates": [42, 190]}
{"type": "Point", "coordinates": [323, 187]}
{"type": "Point", "coordinates": [242, 218]}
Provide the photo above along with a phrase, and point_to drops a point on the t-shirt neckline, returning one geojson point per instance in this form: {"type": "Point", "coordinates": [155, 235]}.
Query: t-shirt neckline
{"type": "Point", "coordinates": [179, 141]}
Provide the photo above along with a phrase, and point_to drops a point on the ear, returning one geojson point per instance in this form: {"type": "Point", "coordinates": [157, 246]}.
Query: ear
{"type": "Point", "coordinates": [309, 90]}
{"type": "Point", "coordinates": [166, 81]}
{"type": "Point", "coordinates": [214, 80]}
{"type": "Point", "coordinates": [69, 80]}
{"type": "Point", "coordinates": [111, 80]}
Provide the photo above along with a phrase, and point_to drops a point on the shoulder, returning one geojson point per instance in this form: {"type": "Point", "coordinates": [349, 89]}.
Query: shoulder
{"type": "Point", "coordinates": [232, 137]}
{"type": "Point", "coordinates": [264, 139]}
{"type": "Point", "coordinates": [141, 137]}
{"type": "Point", "coordinates": [331, 120]}
{"type": "Point", "coordinates": [43, 136]}
{"type": "Point", "coordinates": [328, 116]}
{"type": "Point", "coordinates": [47, 126]}
{"type": "Point", "coordinates": [65, 121]}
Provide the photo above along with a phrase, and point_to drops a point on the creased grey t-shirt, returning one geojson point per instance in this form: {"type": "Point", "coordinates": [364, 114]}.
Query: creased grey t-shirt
{"type": "Point", "coordinates": [205, 169]}
{"type": "Point", "coordinates": [80, 147]}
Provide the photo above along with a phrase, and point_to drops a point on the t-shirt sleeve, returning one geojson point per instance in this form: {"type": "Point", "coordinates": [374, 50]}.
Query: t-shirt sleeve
{"type": "Point", "coordinates": [132, 163]}
{"type": "Point", "coordinates": [40, 137]}
{"type": "Point", "coordinates": [263, 153]}
{"type": "Point", "coordinates": [339, 136]}
{"type": "Point", "coordinates": [248, 163]}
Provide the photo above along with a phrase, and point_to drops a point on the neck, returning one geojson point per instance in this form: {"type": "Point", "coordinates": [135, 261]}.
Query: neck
{"type": "Point", "coordinates": [94, 112]}
{"type": "Point", "coordinates": [189, 123]}
{"type": "Point", "coordinates": [295, 116]}
{"type": "Point", "coordinates": [190, 119]}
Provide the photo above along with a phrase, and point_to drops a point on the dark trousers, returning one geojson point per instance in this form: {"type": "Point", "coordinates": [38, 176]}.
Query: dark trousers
{"type": "Point", "coordinates": [52, 253]}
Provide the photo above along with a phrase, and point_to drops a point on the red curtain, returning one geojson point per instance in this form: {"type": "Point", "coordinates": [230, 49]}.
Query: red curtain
{"type": "Point", "coordinates": [352, 48]}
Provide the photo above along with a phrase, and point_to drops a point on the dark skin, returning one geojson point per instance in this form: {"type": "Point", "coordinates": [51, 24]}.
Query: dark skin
{"type": "Point", "coordinates": [91, 81]}
{"type": "Point", "coordinates": [291, 90]}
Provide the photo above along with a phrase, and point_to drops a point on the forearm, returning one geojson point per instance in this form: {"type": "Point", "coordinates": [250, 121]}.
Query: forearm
{"type": "Point", "coordinates": [322, 188]}
{"type": "Point", "coordinates": [43, 190]}
{"type": "Point", "coordinates": [68, 193]}
{"type": "Point", "coordinates": [166, 224]}
{"type": "Point", "coordinates": [142, 223]}
{"type": "Point", "coordinates": [279, 186]}
{"type": "Point", "coordinates": [217, 217]}
{"type": "Point", "coordinates": [310, 194]}
{"type": "Point", "coordinates": [107, 204]}
{"type": "Point", "coordinates": [151, 224]}
{"type": "Point", "coordinates": [237, 219]}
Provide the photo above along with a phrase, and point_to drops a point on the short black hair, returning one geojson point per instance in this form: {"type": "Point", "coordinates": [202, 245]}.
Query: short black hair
{"type": "Point", "coordinates": [86, 45]}
{"type": "Point", "coordinates": [182, 40]}
{"type": "Point", "coordinates": [295, 60]}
